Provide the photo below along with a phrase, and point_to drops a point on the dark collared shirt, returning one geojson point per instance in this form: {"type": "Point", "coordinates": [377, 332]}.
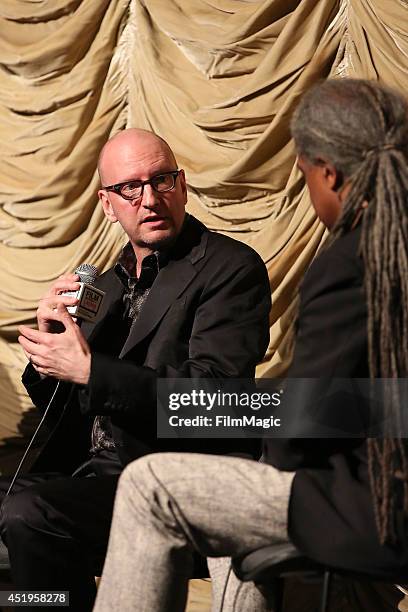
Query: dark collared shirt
{"type": "Point", "coordinates": [134, 296]}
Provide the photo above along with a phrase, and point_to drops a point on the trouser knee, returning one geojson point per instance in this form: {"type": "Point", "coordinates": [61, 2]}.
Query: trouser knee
{"type": "Point", "coordinates": [21, 512]}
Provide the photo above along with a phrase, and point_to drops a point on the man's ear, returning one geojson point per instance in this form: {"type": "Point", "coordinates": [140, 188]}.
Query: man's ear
{"type": "Point", "coordinates": [332, 176]}
{"type": "Point", "coordinates": [182, 179]}
{"type": "Point", "coordinates": [107, 206]}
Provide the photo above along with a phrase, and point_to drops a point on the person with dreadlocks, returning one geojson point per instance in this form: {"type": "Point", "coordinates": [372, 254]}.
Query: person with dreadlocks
{"type": "Point", "coordinates": [340, 499]}
{"type": "Point", "coordinates": [352, 143]}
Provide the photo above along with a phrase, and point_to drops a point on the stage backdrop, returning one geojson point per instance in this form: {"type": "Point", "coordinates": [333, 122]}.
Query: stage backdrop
{"type": "Point", "coordinates": [219, 80]}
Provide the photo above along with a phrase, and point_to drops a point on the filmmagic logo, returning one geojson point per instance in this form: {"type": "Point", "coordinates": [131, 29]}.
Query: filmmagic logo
{"type": "Point", "coordinates": [225, 421]}
{"type": "Point", "coordinates": [221, 399]}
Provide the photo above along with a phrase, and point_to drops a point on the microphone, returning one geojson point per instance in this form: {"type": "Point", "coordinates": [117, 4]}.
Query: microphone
{"type": "Point", "coordinates": [87, 273]}
{"type": "Point", "coordinates": [90, 298]}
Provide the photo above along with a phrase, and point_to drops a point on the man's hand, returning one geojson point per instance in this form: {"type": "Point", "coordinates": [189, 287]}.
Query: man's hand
{"type": "Point", "coordinates": [54, 297]}
{"type": "Point", "coordinates": [64, 355]}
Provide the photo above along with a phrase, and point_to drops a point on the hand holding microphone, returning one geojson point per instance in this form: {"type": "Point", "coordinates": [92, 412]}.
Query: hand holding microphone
{"type": "Point", "coordinates": [74, 291]}
{"type": "Point", "coordinates": [58, 347]}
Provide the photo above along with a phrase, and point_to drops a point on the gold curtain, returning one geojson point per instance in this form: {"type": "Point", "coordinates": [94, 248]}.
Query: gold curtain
{"type": "Point", "coordinates": [218, 80]}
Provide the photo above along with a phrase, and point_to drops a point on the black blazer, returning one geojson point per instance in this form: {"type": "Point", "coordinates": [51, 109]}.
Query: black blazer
{"type": "Point", "coordinates": [331, 516]}
{"type": "Point", "coordinates": [206, 316]}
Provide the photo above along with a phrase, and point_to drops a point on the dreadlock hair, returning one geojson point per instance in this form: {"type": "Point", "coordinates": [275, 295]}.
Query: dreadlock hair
{"type": "Point", "coordinates": [361, 129]}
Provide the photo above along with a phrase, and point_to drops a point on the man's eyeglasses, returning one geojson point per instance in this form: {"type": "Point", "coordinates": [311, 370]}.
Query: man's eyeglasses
{"type": "Point", "coordinates": [133, 190]}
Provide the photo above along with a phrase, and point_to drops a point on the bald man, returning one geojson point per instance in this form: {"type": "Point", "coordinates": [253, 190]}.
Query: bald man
{"type": "Point", "coordinates": [181, 302]}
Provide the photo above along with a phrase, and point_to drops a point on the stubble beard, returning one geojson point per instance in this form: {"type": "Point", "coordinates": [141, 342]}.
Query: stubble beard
{"type": "Point", "coordinates": [158, 244]}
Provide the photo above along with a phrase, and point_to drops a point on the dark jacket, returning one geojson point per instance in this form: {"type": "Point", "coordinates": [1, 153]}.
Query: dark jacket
{"type": "Point", "coordinates": [206, 316]}
{"type": "Point", "coordinates": [331, 516]}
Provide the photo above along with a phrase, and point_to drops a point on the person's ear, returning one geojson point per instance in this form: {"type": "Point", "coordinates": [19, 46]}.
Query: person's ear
{"type": "Point", "coordinates": [107, 206]}
{"type": "Point", "coordinates": [183, 184]}
{"type": "Point", "coordinates": [333, 177]}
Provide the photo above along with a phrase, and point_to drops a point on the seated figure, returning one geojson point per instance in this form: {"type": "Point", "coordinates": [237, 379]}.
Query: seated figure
{"type": "Point", "coordinates": [181, 302]}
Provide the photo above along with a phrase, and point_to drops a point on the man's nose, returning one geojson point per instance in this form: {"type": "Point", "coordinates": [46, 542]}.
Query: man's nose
{"type": "Point", "coordinates": [150, 197]}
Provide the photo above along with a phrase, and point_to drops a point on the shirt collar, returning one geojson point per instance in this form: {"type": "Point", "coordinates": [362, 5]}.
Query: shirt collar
{"type": "Point", "coordinates": [126, 264]}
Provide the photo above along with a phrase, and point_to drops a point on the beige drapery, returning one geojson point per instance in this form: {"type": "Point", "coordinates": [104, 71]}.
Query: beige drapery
{"type": "Point", "coordinates": [218, 79]}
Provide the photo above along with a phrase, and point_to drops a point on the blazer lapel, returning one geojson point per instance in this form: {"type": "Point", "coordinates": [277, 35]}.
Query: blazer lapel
{"type": "Point", "coordinates": [169, 284]}
{"type": "Point", "coordinates": [171, 281]}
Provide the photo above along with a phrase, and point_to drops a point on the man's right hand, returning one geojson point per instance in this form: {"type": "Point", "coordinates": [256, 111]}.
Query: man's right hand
{"type": "Point", "coordinates": [54, 296]}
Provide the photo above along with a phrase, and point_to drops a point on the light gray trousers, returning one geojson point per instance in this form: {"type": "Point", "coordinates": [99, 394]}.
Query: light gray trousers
{"type": "Point", "coordinates": [169, 505]}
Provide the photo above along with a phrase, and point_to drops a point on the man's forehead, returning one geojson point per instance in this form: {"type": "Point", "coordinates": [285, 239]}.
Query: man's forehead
{"type": "Point", "coordinates": [133, 145]}
{"type": "Point", "coordinates": [137, 147]}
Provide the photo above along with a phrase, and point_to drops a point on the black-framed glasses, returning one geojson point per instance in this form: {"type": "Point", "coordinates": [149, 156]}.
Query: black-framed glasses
{"type": "Point", "coordinates": [133, 190]}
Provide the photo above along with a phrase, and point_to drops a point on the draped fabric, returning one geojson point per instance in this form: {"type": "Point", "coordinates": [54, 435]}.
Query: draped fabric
{"type": "Point", "coordinates": [218, 79]}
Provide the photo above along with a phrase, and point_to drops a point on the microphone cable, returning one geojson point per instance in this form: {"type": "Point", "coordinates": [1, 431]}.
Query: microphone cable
{"type": "Point", "coordinates": [40, 424]}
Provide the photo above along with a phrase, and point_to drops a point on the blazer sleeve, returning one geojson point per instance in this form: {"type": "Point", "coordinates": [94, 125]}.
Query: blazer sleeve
{"type": "Point", "coordinates": [331, 342]}
{"type": "Point", "coordinates": [43, 390]}
{"type": "Point", "coordinates": [230, 334]}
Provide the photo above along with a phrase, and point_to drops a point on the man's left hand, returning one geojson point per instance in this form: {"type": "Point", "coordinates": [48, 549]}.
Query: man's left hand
{"type": "Point", "coordinates": [65, 356]}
